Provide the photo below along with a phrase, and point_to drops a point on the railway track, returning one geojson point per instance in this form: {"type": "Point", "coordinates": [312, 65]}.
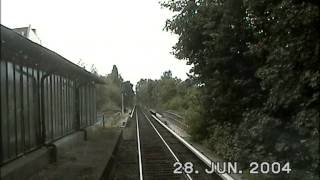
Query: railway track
{"type": "Point", "coordinates": [176, 120]}
{"type": "Point", "coordinates": [161, 154]}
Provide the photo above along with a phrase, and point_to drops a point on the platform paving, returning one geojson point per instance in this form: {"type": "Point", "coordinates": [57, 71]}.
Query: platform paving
{"type": "Point", "coordinates": [85, 160]}
{"type": "Point", "coordinates": [126, 166]}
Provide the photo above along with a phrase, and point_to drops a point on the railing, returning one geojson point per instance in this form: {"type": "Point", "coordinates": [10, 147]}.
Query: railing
{"type": "Point", "coordinates": [105, 119]}
{"type": "Point", "coordinates": [101, 119]}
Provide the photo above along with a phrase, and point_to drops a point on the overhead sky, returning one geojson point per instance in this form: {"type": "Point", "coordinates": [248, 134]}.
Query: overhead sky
{"type": "Point", "coordinates": [126, 33]}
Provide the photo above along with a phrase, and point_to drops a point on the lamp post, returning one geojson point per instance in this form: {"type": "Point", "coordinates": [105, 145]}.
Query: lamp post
{"type": "Point", "coordinates": [122, 98]}
{"type": "Point", "coordinates": [122, 108]}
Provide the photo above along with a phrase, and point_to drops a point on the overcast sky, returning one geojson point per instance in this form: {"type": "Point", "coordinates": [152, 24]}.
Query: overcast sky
{"type": "Point", "coordinates": [102, 32]}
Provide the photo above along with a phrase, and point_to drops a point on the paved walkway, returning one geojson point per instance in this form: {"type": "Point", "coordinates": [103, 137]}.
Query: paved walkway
{"type": "Point", "coordinates": [126, 167]}
{"type": "Point", "coordinates": [86, 160]}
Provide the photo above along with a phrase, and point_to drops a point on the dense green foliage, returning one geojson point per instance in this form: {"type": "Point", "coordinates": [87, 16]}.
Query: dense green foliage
{"type": "Point", "coordinates": [109, 93]}
{"type": "Point", "coordinates": [128, 94]}
{"type": "Point", "coordinates": [257, 65]}
{"type": "Point", "coordinates": [168, 93]}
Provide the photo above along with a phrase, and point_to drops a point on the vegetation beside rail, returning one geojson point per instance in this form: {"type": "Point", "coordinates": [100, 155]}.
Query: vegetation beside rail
{"type": "Point", "coordinates": [253, 92]}
{"type": "Point", "coordinates": [109, 94]}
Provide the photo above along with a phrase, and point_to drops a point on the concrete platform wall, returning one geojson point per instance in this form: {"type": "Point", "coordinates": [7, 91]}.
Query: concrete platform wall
{"type": "Point", "coordinates": [31, 163]}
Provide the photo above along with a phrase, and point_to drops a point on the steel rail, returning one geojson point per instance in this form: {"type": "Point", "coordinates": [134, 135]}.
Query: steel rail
{"type": "Point", "coordinates": [132, 111]}
{"type": "Point", "coordinates": [166, 144]}
{"type": "Point", "coordinates": [139, 147]}
{"type": "Point", "coordinates": [201, 156]}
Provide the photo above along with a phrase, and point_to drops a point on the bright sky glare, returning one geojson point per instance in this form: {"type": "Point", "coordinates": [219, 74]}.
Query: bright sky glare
{"type": "Point", "coordinates": [102, 32]}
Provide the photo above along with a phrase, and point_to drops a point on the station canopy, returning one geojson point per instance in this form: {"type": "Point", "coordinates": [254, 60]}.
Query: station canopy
{"type": "Point", "coordinates": [20, 50]}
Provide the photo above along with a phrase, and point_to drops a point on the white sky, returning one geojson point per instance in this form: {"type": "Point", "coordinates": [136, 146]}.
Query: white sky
{"type": "Point", "coordinates": [128, 33]}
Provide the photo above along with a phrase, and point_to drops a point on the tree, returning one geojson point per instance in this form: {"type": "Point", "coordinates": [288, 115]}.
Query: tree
{"type": "Point", "coordinates": [128, 94]}
{"type": "Point", "coordinates": [116, 78]}
{"type": "Point", "coordinates": [93, 69]}
{"type": "Point", "coordinates": [167, 88]}
{"type": "Point", "coordinates": [147, 92]}
{"type": "Point", "coordinates": [109, 94]}
{"type": "Point", "coordinates": [257, 66]}
{"type": "Point", "coordinates": [167, 93]}
{"type": "Point", "coordinates": [286, 41]}
{"type": "Point", "coordinates": [81, 63]}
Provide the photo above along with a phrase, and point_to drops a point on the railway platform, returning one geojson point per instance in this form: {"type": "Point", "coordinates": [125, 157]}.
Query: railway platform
{"type": "Point", "coordinates": [85, 159]}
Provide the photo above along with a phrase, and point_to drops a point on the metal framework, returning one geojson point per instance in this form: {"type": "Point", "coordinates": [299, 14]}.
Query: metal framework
{"type": "Point", "coordinates": [43, 96]}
